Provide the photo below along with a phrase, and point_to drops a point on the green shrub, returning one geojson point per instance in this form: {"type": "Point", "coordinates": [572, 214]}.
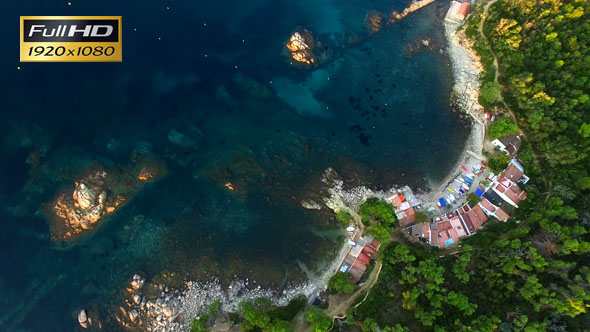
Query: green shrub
{"type": "Point", "coordinates": [339, 283]}
{"type": "Point", "coordinates": [344, 217]}
{"type": "Point", "coordinates": [503, 127]}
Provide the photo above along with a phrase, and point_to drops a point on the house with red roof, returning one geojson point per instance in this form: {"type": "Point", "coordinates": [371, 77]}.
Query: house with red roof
{"type": "Point", "coordinates": [457, 12]}
{"type": "Point", "coordinates": [359, 257]}
{"type": "Point", "coordinates": [509, 191]}
{"type": "Point", "coordinates": [405, 213]}
{"type": "Point", "coordinates": [492, 210]}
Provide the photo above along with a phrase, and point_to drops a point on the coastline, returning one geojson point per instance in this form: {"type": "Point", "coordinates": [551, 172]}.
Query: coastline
{"type": "Point", "coordinates": [466, 68]}
{"type": "Point", "coordinates": [196, 297]}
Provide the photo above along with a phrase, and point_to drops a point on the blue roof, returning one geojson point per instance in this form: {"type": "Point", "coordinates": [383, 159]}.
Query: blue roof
{"type": "Point", "coordinates": [478, 192]}
{"type": "Point", "coordinates": [442, 202]}
{"type": "Point", "coordinates": [449, 242]}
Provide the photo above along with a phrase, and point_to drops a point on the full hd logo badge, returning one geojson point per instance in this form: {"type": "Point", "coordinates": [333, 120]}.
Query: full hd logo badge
{"type": "Point", "coordinates": [70, 39]}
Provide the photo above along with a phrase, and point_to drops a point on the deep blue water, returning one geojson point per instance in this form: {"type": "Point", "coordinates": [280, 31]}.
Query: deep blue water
{"type": "Point", "coordinates": [271, 139]}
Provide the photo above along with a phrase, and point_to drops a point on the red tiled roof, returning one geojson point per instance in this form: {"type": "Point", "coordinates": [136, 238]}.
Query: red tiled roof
{"type": "Point", "coordinates": [512, 173]}
{"type": "Point", "coordinates": [411, 214]}
{"type": "Point", "coordinates": [375, 244]}
{"type": "Point", "coordinates": [453, 235]}
{"type": "Point", "coordinates": [363, 257]}
{"type": "Point", "coordinates": [514, 197]}
{"type": "Point", "coordinates": [458, 227]}
{"type": "Point", "coordinates": [444, 226]}
{"type": "Point", "coordinates": [442, 237]}
{"type": "Point", "coordinates": [464, 9]}
{"type": "Point", "coordinates": [369, 250]}
{"type": "Point", "coordinates": [477, 217]}
{"type": "Point", "coordinates": [489, 206]}
{"type": "Point", "coordinates": [468, 222]}
{"type": "Point", "coordinates": [480, 214]}
{"type": "Point", "coordinates": [501, 215]}
{"type": "Point", "coordinates": [396, 201]}
{"type": "Point", "coordinates": [359, 265]}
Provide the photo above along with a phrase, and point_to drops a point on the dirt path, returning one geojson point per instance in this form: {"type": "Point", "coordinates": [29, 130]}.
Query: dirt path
{"type": "Point", "coordinates": [496, 76]}
{"type": "Point", "coordinates": [484, 16]}
{"type": "Point", "coordinates": [339, 306]}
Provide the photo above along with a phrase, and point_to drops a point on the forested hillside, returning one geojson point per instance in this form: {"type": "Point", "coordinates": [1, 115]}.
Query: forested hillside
{"type": "Point", "coordinates": [531, 273]}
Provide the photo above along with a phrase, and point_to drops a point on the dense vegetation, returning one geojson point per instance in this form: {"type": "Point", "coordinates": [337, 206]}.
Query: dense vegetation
{"type": "Point", "coordinates": [260, 315]}
{"type": "Point", "coordinates": [339, 283]}
{"type": "Point", "coordinates": [379, 216]}
{"type": "Point", "coordinates": [502, 127]}
{"type": "Point", "coordinates": [526, 276]}
{"type": "Point", "coordinates": [344, 217]}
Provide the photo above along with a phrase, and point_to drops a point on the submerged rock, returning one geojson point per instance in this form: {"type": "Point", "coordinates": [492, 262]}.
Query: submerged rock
{"type": "Point", "coordinates": [180, 139]}
{"type": "Point", "coordinates": [310, 204]}
{"type": "Point", "coordinates": [374, 20]}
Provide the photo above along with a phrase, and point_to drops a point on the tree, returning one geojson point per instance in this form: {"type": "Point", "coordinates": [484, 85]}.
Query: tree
{"type": "Point", "coordinates": [344, 217]}
{"type": "Point", "coordinates": [498, 162]}
{"type": "Point", "coordinates": [502, 127]}
{"type": "Point", "coordinates": [319, 321]}
{"type": "Point", "coordinates": [473, 199]}
{"type": "Point", "coordinates": [421, 217]}
{"type": "Point", "coordinates": [255, 313]}
{"type": "Point", "coordinates": [375, 210]}
{"type": "Point", "coordinates": [339, 283]}
{"type": "Point", "coordinates": [489, 93]}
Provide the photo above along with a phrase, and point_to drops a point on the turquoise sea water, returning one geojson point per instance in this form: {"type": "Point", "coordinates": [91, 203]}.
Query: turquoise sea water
{"type": "Point", "coordinates": [375, 114]}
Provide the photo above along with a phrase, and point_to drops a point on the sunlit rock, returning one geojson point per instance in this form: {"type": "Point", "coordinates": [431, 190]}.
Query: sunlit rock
{"type": "Point", "coordinates": [374, 20]}
{"type": "Point", "coordinates": [146, 173]}
{"type": "Point", "coordinates": [301, 46]}
{"type": "Point", "coordinates": [133, 314]}
{"type": "Point", "coordinates": [310, 204]}
{"type": "Point", "coordinates": [87, 205]}
{"type": "Point", "coordinates": [83, 319]}
{"type": "Point", "coordinates": [137, 282]}
{"type": "Point", "coordinates": [99, 192]}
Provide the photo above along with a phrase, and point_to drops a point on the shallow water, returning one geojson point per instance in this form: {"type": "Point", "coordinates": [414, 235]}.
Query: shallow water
{"type": "Point", "coordinates": [375, 114]}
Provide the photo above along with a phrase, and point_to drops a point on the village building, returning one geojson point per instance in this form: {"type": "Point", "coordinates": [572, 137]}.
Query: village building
{"type": "Point", "coordinates": [508, 144]}
{"type": "Point", "coordinates": [404, 209]}
{"type": "Point", "coordinates": [457, 12]}
{"type": "Point", "coordinates": [493, 211]}
{"type": "Point", "coordinates": [359, 257]}
{"type": "Point", "coordinates": [515, 172]}
{"type": "Point", "coordinates": [446, 230]}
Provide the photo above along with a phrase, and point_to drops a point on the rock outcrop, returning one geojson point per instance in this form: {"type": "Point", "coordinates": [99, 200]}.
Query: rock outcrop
{"type": "Point", "coordinates": [87, 205]}
{"type": "Point", "coordinates": [83, 319]}
{"type": "Point", "coordinates": [300, 46]}
{"type": "Point", "coordinates": [310, 204]}
{"type": "Point", "coordinates": [99, 192]}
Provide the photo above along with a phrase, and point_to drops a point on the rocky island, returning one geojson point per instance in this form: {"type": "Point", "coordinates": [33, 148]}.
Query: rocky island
{"type": "Point", "coordinates": [98, 193]}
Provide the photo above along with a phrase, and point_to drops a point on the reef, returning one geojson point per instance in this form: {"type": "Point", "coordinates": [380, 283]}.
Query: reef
{"type": "Point", "coordinates": [97, 193]}
{"type": "Point", "coordinates": [374, 20]}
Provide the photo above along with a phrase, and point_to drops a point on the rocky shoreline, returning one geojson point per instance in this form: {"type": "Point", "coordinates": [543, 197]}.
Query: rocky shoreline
{"type": "Point", "coordinates": [466, 68]}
